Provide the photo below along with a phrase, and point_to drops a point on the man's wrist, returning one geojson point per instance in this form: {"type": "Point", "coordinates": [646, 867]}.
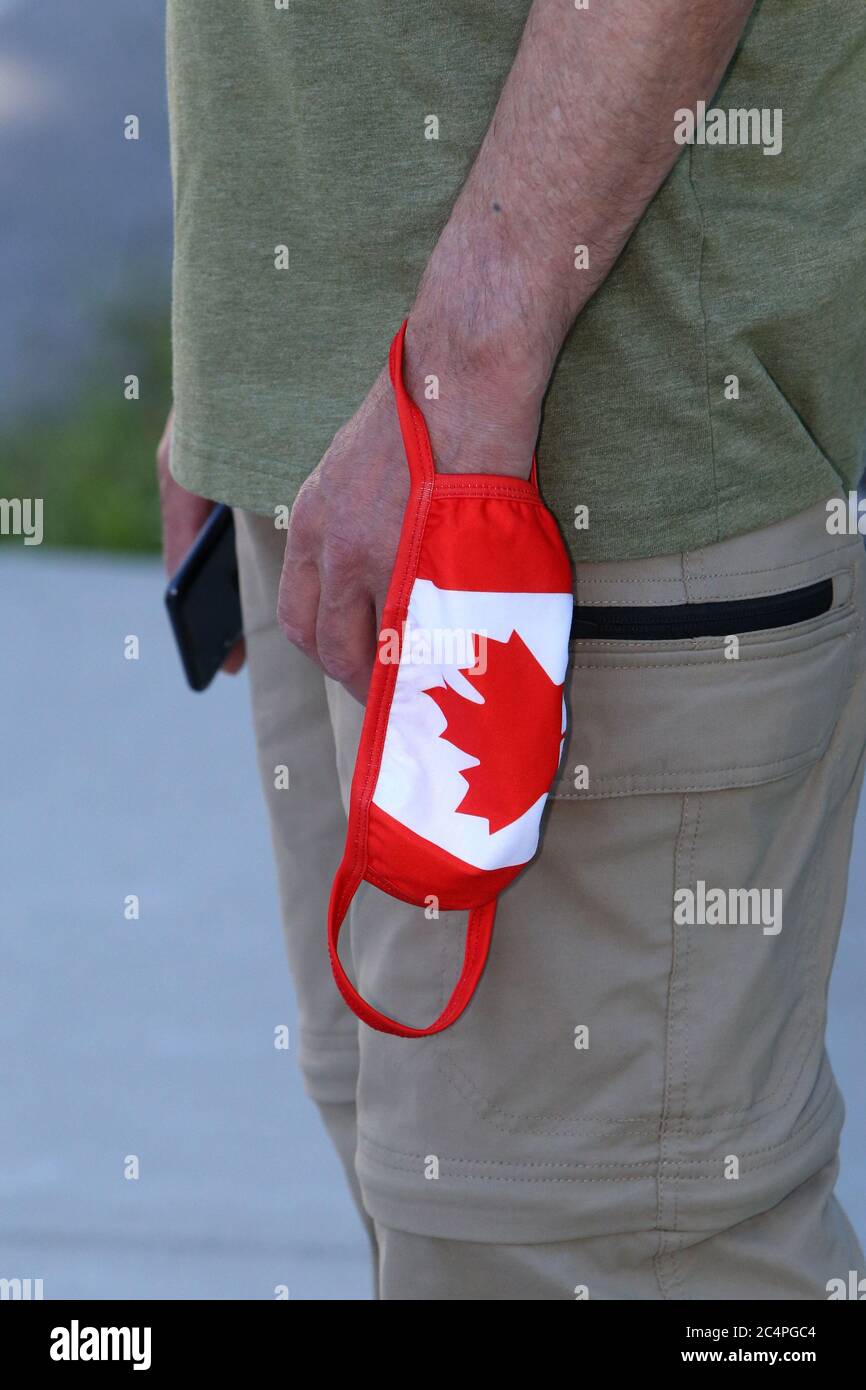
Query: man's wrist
{"type": "Point", "coordinates": [481, 406]}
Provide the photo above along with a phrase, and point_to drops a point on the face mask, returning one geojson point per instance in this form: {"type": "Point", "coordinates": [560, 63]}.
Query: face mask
{"type": "Point", "coordinates": [465, 715]}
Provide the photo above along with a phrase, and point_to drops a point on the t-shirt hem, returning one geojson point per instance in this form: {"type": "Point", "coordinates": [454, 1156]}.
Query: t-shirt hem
{"type": "Point", "coordinates": [252, 484]}
{"type": "Point", "coordinates": [232, 477]}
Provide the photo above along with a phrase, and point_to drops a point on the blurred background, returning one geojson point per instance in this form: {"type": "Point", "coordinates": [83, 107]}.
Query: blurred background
{"type": "Point", "coordinates": [152, 1037]}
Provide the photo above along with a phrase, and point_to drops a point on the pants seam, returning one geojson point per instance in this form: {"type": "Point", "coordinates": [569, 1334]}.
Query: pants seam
{"type": "Point", "coordinates": [675, 1086]}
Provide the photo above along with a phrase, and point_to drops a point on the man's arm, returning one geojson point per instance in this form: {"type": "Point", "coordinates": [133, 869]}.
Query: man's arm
{"type": "Point", "coordinates": [582, 138]}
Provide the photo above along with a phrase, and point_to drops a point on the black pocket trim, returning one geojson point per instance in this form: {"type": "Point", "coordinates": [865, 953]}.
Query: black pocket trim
{"type": "Point", "coordinates": [682, 620]}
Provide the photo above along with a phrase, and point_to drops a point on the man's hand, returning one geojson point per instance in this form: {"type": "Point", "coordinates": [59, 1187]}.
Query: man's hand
{"type": "Point", "coordinates": [581, 140]}
{"type": "Point", "coordinates": [345, 524]}
{"type": "Point", "coordinates": [183, 515]}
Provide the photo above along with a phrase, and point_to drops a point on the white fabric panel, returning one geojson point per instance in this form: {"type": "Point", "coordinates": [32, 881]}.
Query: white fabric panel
{"type": "Point", "coordinates": [419, 781]}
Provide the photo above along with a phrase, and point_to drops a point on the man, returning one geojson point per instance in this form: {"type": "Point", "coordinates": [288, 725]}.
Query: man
{"type": "Point", "coordinates": [645, 221]}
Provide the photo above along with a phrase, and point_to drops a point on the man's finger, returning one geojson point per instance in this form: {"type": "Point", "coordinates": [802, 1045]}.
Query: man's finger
{"type": "Point", "coordinates": [298, 603]}
{"type": "Point", "coordinates": [346, 637]}
{"type": "Point", "coordinates": [235, 659]}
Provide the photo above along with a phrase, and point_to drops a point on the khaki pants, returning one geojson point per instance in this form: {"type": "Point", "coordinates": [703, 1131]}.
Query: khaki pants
{"type": "Point", "coordinates": [638, 1102]}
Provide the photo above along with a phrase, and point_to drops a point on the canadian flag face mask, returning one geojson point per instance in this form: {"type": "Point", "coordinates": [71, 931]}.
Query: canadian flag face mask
{"type": "Point", "coordinates": [465, 715]}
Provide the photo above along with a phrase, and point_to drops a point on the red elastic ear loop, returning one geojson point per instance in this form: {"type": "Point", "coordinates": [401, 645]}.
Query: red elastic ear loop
{"type": "Point", "coordinates": [478, 933]}
{"type": "Point", "coordinates": [419, 456]}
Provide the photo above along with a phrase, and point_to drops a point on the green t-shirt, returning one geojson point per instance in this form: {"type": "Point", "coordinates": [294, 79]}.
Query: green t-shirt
{"type": "Point", "coordinates": [715, 383]}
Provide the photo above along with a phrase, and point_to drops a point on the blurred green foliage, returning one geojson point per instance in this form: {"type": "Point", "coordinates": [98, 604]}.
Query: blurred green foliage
{"type": "Point", "coordinates": [92, 460]}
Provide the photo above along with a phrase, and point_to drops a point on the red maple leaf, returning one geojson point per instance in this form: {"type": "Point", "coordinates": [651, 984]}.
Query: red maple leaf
{"type": "Point", "coordinates": [514, 734]}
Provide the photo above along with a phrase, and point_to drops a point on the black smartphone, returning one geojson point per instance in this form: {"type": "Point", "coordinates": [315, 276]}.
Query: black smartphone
{"type": "Point", "coordinates": [204, 602]}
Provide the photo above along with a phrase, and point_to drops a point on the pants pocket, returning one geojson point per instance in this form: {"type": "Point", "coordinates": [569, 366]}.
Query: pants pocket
{"type": "Point", "coordinates": [712, 708]}
{"type": "Point", "coordinates": [691, 760]}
